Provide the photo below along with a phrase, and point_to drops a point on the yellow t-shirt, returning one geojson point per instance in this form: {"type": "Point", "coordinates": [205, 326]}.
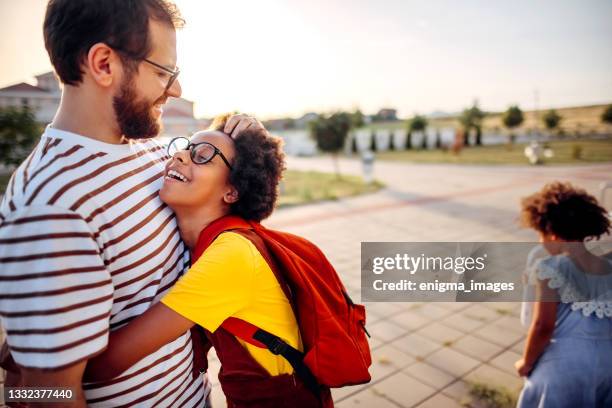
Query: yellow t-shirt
{"type": "Point", "coordinates": [231, 278]}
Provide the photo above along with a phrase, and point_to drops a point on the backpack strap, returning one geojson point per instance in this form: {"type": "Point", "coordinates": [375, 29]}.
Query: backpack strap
{"type": "Point", "coordinates": [277, 346]}
{"type": "Point", "coordinates": [245, 330]}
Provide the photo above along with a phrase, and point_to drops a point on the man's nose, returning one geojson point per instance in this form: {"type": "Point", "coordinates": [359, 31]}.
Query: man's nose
{"type": "Point", "coordinates": [175, 89]}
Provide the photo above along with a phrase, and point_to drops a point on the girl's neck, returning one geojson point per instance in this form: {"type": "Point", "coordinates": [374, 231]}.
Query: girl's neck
{"type": "Point", "coordinates": [191, 222]}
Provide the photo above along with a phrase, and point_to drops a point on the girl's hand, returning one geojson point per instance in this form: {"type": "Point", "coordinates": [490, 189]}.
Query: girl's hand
{"type": "Point", "coordinates": [522, 369]}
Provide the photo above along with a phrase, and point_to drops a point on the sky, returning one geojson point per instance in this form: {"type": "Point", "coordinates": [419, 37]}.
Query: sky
{"type": "Point", "coordinates": [275, 58]}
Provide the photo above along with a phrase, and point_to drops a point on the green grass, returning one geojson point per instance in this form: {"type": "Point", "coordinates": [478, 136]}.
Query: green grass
{"type": "Point", "coordinates": [565, 152]}
{"type": "Point", "coordinates": [303, 187]}
{"type": "Point", "coordinates": [490, 396]}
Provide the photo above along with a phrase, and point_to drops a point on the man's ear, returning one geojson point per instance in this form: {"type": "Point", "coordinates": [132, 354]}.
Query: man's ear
{"type": "Point", "coordinates": [230, 196]}
{"type": "Point", "coordinates": [103, 64]}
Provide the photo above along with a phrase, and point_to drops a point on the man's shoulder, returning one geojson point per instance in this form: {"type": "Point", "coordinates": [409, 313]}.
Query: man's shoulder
{"type": "Point", "coordinates": [60, 171]}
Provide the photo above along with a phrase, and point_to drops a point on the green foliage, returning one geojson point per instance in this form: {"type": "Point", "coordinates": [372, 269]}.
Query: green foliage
{"type": "Point", "coordinates": [576, 151]}
{"type": "Point", "coordinates": [357, 119]}
{"type": "Point", "coordinates": [330, 132]}
{"type": "Point", "coordinates": [513, 117]}
{"type": "Point", "coordinates": [392, 146]}
{"type": "Point", "coordinates": [438, 140]}
{"type": "Point", "coordinates": [492, 396]}
{"type": "Point", "coordinates": [552, 119]}
{"type": "Point", "coordinates": [606, 116]}
{"type": "Point", "coordinates": [424, 141]}
{"type": "Point", "coordinates": [471, 118]}
{"type": "Point", "coordinates": [408, 139]}
{"type": "Point", "coordinates": [19, 131]}
{"type": "Point", "coordinates": [418, 123]}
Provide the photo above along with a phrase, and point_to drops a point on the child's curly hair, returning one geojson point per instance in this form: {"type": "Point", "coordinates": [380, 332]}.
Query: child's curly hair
{"type": "Point", "coordinates": [256, 172]}
{"type": "Point", "coordinates": [568, 212]}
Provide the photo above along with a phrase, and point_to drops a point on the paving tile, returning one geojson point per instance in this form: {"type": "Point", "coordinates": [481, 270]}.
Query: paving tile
{"type": "Point", "coordinates": [386, 330]}
{"type": "Point", "coordinates": [505, 361]}
{"type": "Point", "coordinates": [416, 345]}
{"type": "Point", "coordinates": [410, 320]}
{"type": "Point", "coordinates": [367, 398]}
{"type": "Point", "coordinates": [511, 323]}
{"type": "Point", "coordinates": [388, 359]}
{"type": "Point", "coordinates": [338, 394]}
{"type": "Point", "coordinates": [480, 349]}
{"type": "Point", "coordinates": [498, 334]}
{"type": "Point", "coordinates": [490, 375]}
{"type": "Point", "coordinates": [462, 322]}
{"type": "Point", "coordinates": [429, 375]}
{"type": "Point", "coordinates": [451, 361]}
{"type": "Point", "coordinates": [519, 346]}
{"type": "Point", "coordinates": [432, 311]}
{"type": "Point", "coordinates": [440, 401]}
{"type": "Point", "coordinates": [480, 312]}
{"type": "Point", "coordinates": [458, 391]}
{"type": "Point", "coordinates": [440, 333]}
{"type": "Point", "coordinates": [403, 389]}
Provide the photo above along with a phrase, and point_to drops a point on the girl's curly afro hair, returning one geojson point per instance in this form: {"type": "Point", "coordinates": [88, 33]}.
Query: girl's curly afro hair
{"type": "Point", "coordinates": [256, 172]}
{"type": "Point", "coordinates": [565, 211]}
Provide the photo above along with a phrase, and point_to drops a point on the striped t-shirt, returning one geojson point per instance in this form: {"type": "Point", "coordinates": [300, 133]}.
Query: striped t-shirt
{"type": "Point", "coordinates": [86, 245]}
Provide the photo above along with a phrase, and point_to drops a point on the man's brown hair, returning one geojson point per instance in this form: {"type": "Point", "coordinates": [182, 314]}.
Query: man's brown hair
{"type": "Point", "coordinates": [72, 27]}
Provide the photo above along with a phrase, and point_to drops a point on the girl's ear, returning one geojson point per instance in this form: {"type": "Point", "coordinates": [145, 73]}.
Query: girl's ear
{"type": "Point", "coordinates": [230, 196]}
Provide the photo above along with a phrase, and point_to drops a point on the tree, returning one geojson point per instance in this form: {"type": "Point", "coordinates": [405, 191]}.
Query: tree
{"type": "Point", "coordinates": [354, 147]}
{"type": "Point", "coordinates": [606, 116]}
{"type": "Point", "coordinates": [551, 120]}
{"type": "Point", "coordinates": [357, 119]}
{"type": "Point", "coordinates": [471, 118]}
{"type": "Point", "coordinates": [418, 123]}
{"type": "Point", "coordinates": [19, 131]}
{"type": "Point", "coordinates": [392, 140]}
{"type": "Point", "coordinates": [330, 133]}
{"type": "Point", "coordinates": [408, 139]}
{"type": "Point", "coordinates": [373, 144]}
{"type": "Point", "coordinates": [512, 118]}
{"type": "Point", "coordinates": [438, 139]}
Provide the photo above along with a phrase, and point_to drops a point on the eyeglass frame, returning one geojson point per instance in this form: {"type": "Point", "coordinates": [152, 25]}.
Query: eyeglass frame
{"type": "Point", "coordinates": [191, 147]}
{"type": "Point", "coordinates": [173, 73]}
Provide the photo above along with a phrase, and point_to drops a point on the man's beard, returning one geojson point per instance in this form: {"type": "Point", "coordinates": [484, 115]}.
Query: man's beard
{"type": "Point", "coordinates": [134, 117]}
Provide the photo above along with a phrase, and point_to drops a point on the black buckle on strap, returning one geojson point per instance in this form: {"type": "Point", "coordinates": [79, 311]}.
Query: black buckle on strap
{"type": "Point", "coordinates": [278, 346]}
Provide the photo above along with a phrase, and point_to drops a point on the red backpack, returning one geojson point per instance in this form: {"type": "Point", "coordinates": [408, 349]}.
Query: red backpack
{"type": "Point", "coordinates": [336, 351]}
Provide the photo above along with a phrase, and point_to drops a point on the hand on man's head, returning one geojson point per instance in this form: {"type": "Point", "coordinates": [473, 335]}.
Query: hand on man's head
{"type": "Point", "coordinates": [239, 122]}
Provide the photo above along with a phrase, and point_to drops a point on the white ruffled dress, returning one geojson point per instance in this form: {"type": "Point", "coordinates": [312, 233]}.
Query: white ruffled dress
{"type": "Point", "coordinates": [575, 370]}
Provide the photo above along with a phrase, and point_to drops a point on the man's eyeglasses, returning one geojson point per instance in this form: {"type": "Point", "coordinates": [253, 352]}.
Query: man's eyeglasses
{"type": "Point", "coordinates": [173, 73]}
{"type": "Point", "coordinates": [200, 153]}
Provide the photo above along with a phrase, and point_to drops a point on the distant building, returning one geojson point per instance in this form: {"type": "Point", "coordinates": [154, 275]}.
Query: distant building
{"type": "Point", "coordinates": [44, 98]}
{"type": "Point", "coordinates": [385, 115]}
{"type": "Point", "coordinates": [302, 122]}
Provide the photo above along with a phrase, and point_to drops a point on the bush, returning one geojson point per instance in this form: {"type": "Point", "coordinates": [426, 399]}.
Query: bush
{"type": "Point", "coordinates": [19, 132]}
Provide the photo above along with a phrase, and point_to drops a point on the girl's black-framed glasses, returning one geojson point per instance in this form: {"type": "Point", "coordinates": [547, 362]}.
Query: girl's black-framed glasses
{"type": "Point", "coordinates": [200, 153]}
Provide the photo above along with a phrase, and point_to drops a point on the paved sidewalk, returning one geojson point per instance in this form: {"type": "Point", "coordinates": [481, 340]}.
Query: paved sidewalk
{"type": "Point", "coordinates": [424, 354]}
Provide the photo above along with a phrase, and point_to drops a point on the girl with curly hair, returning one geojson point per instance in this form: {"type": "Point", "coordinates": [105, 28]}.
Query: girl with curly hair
{"type": "Point", "coordinates": [211, 176]}
{"type": "Point", "coordinates": [567, 360]}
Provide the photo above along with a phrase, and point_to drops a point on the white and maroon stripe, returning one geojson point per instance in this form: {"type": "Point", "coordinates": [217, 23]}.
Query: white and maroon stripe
{"type": "Point", "coordinates": [136, 238]}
